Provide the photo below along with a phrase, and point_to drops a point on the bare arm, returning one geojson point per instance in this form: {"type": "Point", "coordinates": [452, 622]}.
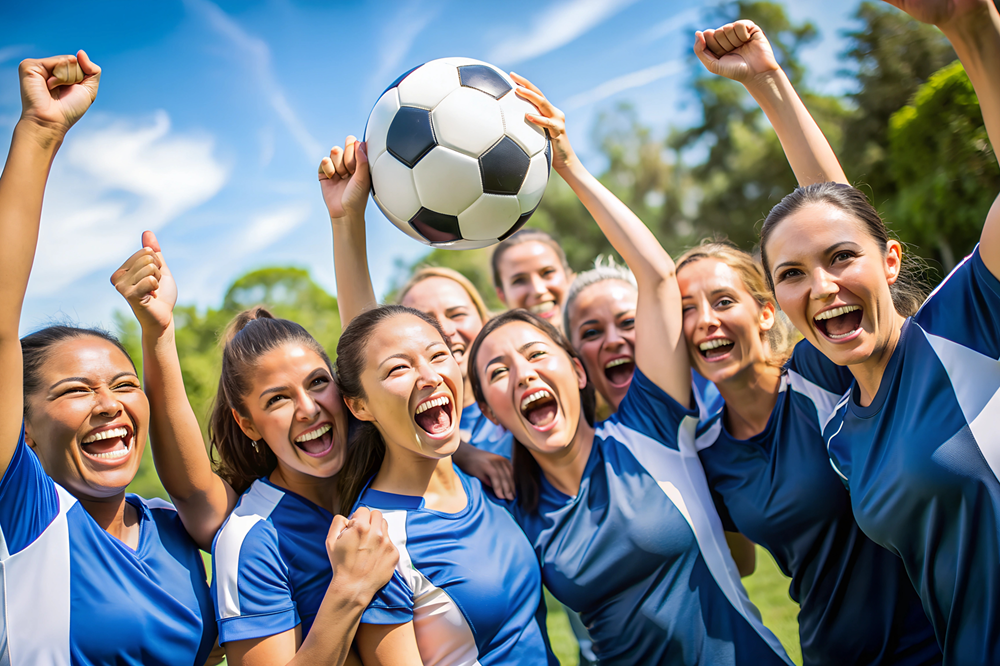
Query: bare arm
{"type": "Point", "coordinates": [345, 182]}
{"type": "Point", "coordinates": [203, 500]}
{"type": "Point", "coordinates": [55, 93]}
{"type": "Point", "coordinates": [744, 553]}
{"type": "Point", "coordinates": [388, 645]}
{"type": "Point", "coordinates": [741, 52]}
{"type": "Point", "coordinates": [660, 350]}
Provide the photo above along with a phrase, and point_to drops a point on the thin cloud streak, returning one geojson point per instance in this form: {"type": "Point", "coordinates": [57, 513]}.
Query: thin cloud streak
{"type": "Point", "coordinates": [622, 83]}
{"type": "Point", "coordinates": [671, 25]}
{"type": "Point", "coordinates": [396, 39]}
{"type": "Point", "coordinates": [556, 26]}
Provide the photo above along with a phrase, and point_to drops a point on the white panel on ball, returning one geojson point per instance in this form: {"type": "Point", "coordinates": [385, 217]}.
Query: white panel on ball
{"type": "Point", "coordinates": [529, 136]}
{"type": "Point", "coordinates": [402, 225]}
{"type": "Point", "coordinates": [468, 121]}
{"type": "Point", "coordinates": [393, 181]}
{"type": "Point", "coordinates": [490, 217]}
{"type": "Point", "coordinates": [447, 182]}
{"type": "Point", "coordinates": [534, 183]}
{"type": "Point", "coordinates": [378, 124]}
{"type": "Point", "coordinates": [426, 86]}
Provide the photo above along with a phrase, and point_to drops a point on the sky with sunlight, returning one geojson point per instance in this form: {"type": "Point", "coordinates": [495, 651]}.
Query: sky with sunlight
{"type": "Point", "coordinates": [212, 118]}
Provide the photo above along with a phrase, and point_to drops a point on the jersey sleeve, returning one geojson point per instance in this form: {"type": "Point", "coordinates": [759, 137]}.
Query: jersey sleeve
{"type": "Point", "coordinates": [965, 308]}
{"type": "Point", "coordinates": [393, 604]}
{"type": "Point", "coordinates": [648, 409]}
{"type": "Point", "coordinates": [28, 499]}
{"type": "Point", "coordinates": [814, 366]}
{"type": "Point", "coordinates": [253, 592]}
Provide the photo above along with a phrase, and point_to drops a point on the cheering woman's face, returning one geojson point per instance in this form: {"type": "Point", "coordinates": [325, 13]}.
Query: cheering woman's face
{"type": "Point", "coordinates": [413, 387]}
{"type": "Point", "coordinates": [533, 278]}
{"type": "Point", "coordinates": [449, 303]}
{"type": "Point", "coordinates": [89, 418]}
{"type": "Point", "coordinates": [724, 325]}
{"type": "Point", "coordinates": [294, 408]}
{"type": "Point", "coordinates": [531, 386]}
{"type": "Point", "coordinates": [832, 280]}
{"type": "Point", "coordinates": [602, 330]}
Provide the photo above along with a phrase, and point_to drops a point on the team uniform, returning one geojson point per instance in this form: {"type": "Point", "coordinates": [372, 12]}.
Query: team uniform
{"type": "Point", "coordinates": [72, 594]}
{"type": "Point", "coordinates": [468, 581]}
{"type": "Point", "coordinates": [640, 551]}
{"type": "Point", "coordinates": [483, 434]}
{"type": "Point", "coordinates": [922, 460]}
{"type": "Point", "coordinates": [779, 490]}
{"type": "Point", "coordinates": [270, 565]}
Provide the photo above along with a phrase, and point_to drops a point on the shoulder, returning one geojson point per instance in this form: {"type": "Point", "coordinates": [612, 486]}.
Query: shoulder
{"type": "Point", "coordinates": [249, 527]}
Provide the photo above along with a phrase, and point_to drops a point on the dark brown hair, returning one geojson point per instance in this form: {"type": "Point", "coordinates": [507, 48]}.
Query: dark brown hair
{"type": "Point", "coordinates": [908, 291]}
{"type": "Point", "coordinates": [526, 236]}
{"type": "Point", "coordinates": [527, 473]}
{"type": "Point", "coordinates": [251, 334]}
{"type": "Point", "coordinates": [366, 450]}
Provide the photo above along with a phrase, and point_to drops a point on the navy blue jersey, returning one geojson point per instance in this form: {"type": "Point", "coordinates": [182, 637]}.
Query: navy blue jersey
{"type": "Point", "coordinates": [921, 461]}
{"type": "Point", "coordinates": [483, 434]}
{"type": "Point", "coordinates": [779, 489]}
{"type": "Point", "coordinates": [73, 594]}
{"type": "Point", "coordinates": [640, 552]}
{"type": "Point", "coordinates": [468, 581]}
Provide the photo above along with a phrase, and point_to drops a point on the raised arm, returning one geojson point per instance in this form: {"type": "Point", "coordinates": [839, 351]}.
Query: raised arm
{"type": "Point", "coordinates": [203, 500]}
{"type": "Point", "coordinates": [740, 51]}
{"type": "Point", "coordinates": [660, 350]}
{"type": "Point", "coordinates": [345, 181]}
{"type": "Point", "coordinates": [55, 93]}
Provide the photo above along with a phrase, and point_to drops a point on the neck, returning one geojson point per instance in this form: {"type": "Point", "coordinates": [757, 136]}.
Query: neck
{"type": "Point", "coordinates": [869, 372]}
{"type": "Point", "coordinates": [750, 396]}
{"type": "Point", "coordinates": [405, 472]}
{"type": "Point", "coordinates": [320, 491]}
{"type": "Point", "coordinates": [114, 515]}
{"type": "Point", "coordinates": [564, 468]}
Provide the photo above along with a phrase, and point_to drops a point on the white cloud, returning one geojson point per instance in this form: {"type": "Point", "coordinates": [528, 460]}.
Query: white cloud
{"type": "Point", "coordinates": [268, 228]}
{"type": "Point", "coordinates": [671, 25]}
{"type": "Point", "coordinates": [625, 82]}
{"type": "Point", "coordinates": [556, 26]}
{"type": "Point", "coordinates": [111, 183]}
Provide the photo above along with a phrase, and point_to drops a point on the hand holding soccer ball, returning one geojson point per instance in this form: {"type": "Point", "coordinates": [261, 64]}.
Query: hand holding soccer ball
{"type": "Point", "coordinates": [345, 181]}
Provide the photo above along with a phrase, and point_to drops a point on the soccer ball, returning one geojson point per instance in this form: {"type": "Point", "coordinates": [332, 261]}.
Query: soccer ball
{"type": "Point", "coordinates": [454, 163]}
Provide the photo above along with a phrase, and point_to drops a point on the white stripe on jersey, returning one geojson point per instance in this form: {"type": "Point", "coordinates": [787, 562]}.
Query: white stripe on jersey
{"type": "Point", "coordinates": [444, 637]}
{"type": "Point", "coordinates": [38, 633]}
{"type": "Point", "coordinates": [680, 474]}
{"type": "Point", "coordinates": [256, 505]}
{"type": "Point", "coordinates": [825, 401]}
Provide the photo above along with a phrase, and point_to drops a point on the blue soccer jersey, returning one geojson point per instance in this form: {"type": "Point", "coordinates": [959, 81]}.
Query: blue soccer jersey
{"type": "Point", "coordinates": [922, 460]}
{"type": "Point", "coordinates": [468, 581]}
{"type": "Point", "coordinates": [483, 434]}
{"type": "Point", "coordinates": [73, 594]}
{"type": "Point", "coordinates": [779, 490]}
{"type": "Point", "coordinates": [270, 565]}
{"type": "Point", "coordinates": [640, 552]}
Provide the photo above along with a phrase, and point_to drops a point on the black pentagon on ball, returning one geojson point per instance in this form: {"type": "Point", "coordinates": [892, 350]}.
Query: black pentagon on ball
{"type": "Point", "coordinates": [436, 227]}
{"type": "Point", "coordinates": [485, 79]}
{"type": "Point", "coordinates": [517, 225]}
{"type": "Point", "coordinates": [503, 167]}
{"type": "Point", "coordinates": [410, 135]}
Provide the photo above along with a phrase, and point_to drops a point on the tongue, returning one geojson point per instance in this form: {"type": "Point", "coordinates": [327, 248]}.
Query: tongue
{"type": "Point", "coordinates": [105, 445]}
{"type": "Point", "coordinates": [435, 420]}
{"type": "Point", "coordinates": [718, 351]}
{"type": "Point", "coordinates": [843, 324]}
{"type": "Point", "coordinates": [542, 414]}
{"type": "Point", "coordinates": [318, 445]}
{"type": "Point", "coordinates": [620, 374]}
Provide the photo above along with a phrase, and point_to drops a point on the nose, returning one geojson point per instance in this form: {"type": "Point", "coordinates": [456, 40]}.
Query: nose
{"type": "Point", "coordinates": [613, 338]}
{"type": "Point", "coordinates": [427, 377]}
{"type": "Point", "coordinates": [448, 327]}
{"type": "Point", "coordinates": [707, 319]}
{"type": "Point", "coordinates": [821, 286]}
{"type": "Point", "coordinates": [107, 404]}
{"type": "Point", "coordinates": [525, 371]}
{"type": "Point", "coordinates": [538, 286]}
{"type": "Point", "coordinates": [306, 407]}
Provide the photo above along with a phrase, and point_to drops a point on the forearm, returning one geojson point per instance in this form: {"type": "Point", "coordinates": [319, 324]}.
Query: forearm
{"type": "Point", "coordinates": [350, 258]}
{"type": "Point", "coordinates": [976, 40]}
{"type": "Point", "coordinates": [334, 627]}
{"type": "Point", "coordinates": [807, 150]}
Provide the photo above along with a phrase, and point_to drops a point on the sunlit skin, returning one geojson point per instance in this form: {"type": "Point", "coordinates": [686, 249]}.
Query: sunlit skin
{"type": "Point", "coordinates": [87, 386]}
{"type": "Point", "coordinates": [449, 303]}
{"type": "Point", "coordinates": [602, 330]}
{"type": "Point", "coordinates": [533, 278]}
{"type": "Point", "coordinates": [292, 394]}
{"type": "Point", "coordinates": [822, 258]}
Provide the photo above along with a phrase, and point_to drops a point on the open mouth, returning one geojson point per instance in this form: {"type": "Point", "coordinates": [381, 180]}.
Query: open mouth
{"type": "Point", "coordinates": [316, 442]}
{"type": "Point", "coordinates": [109, 446]}
{"type": "Point", "coordinates": [434, 415]}
{"type": "Point", "coordinates": [839, 323]}
{"type": "Point", "coordinates": [619, 371]}
{"type": "Point", "coordinates": [458, 351]}
{"type": "Point", "coordinates": [539, 408]}
{"type": "Point", "coordinates": [546, 309]}
{"type": "Point", "coordinates": [712, 350]}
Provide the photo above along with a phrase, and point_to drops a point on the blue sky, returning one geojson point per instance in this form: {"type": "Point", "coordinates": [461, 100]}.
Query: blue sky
{"type": "Point", "coordinates": [212, 118]}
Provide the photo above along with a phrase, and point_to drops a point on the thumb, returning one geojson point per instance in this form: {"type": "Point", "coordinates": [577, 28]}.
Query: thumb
{"type": "Point", "coordinates": [149, 240]}
{"type": "Point", "coordinates": [362, 158]}
{"type": "Point", "coordinates": [707, 58]}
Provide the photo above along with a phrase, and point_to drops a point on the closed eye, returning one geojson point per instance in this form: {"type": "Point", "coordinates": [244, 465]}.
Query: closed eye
{"type": "Point", "coordinates": [589, 334]}
{"type": "Point", "coordinates": [628, 323]}
{"type": "Point", "coordinates": [128, 385]}
{"type": "Point", "coordinates": [497, 372]}
{"type": "Point", "coordinates": [538, 353]}
{"type": "Point", "coordinates": [274, 399]}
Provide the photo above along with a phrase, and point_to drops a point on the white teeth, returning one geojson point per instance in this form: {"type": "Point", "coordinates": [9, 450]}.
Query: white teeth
{"type": "Point", "coordinates": [314, 434]}
{"type": "Point", "coordinates": [618, 361]}
{"type": "Point", "coordinates": [542, 307]}
{"type": "Point", "coordinates": [834, 336]}
{"type": "Point", "coordinates": [836, 312]}
{"type": "Point", "coordinates": [111, 455]}
{"type": "Point", "coordinates": [712, 344]}
{"type": "Point", "coordinates": [436, 402]}
{"type": "Point", "coordinates": [537, 395]}
{"type": "Point", "coordinates": [106, 434]}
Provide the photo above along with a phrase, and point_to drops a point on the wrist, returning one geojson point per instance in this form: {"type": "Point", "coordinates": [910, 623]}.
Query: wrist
{"type": "Point", "coordinates": [765, 84]}
{"type": "Point", "coordinates": [155, 333]}
{"type": "Point", "coordinates": [48, 136]}
{"type": "Point", "coordinates": [353, 591]}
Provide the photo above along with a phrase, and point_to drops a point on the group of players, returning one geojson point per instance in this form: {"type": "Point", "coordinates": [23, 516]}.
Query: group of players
{"type": "Point", "coordinates": [342, 527]}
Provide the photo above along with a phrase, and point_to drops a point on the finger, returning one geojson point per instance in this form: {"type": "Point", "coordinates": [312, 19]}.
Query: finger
{"type": "Point", "coordinates": [362, 513]}
{"type": "Point", "coordinates": [338, 525]}
{"type": "Point", "coordinates": [338, 163]}
{"type": "Point", "coordinates": [727, 38]}
{"type": "Point", "coordinates": [742, 30]}
{"type": "Point", "coordinates": [713, 44]}
{"type": "Point", "coordinates": [539, 100]}
{"type": "Point", "coordinates": [350, 148]}
{"type": "Point", "coordinates": [66, 72]}
{"type": "Point", "coordinates": [136, 277]}
{"type": "Point", "coordinates": [520, 80]}
{"type": "Point", "coordinates": [362, 153]}
{"type": "Point", "coordinates": [375, 520]}
{"type": "Point", "coordinates": [149, 240]}
{"type": "Point", "coordinates": [701, 50]}
{"type": "Point", "coordinates": [503, 482]}
{"type": "Point", "coordinates": [88, 66]}
{"type": "Point", "coordinates": [326, 170]}
{"type": "Point", "coordinates": [555, 128]}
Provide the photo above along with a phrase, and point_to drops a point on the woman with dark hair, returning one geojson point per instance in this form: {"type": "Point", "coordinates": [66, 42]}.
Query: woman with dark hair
{"type": "Point", "coordinates": [280, 429]}
{"type": "Point", "coordinates": [619, 513]}
{"type": "Point", "coordinates": [89, 573]}
{"type": "Point", "coordinates": [915, 440]}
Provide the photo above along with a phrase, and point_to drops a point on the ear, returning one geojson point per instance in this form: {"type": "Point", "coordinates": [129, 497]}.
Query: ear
{"type": "Point", "coordinates": [766, 317]}
{"type": "Point", "coordinates": [28, 439]}
{"type": "Point", "coordinates": [246, 425]}
{"type": "Point", "coordinates": [488, 413]}
{"type": "Point", "coordinates": [500, 295]}
{"type": "Point", "coordinates": [893, 260]}
{"type": "Point", "coordinates": [581, 374]}
{"type": "Point", "coordinates": [359, 407]}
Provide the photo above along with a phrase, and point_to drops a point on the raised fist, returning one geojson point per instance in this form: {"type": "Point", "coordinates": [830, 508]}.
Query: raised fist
{"type": "Point", "coordinates": [344, 179]}
{"type": "Point", "coordinates": [737, 51]}
{"type": "Point", "coordinates": [57, 91]}
{"type": "Point", "coordinates": [147, 284]}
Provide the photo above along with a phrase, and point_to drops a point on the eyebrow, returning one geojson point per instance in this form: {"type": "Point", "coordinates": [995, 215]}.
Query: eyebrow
{"type": "Point", "coordinates": [520, 350]}
{"type": "Point", "coordinates": [85, 380]}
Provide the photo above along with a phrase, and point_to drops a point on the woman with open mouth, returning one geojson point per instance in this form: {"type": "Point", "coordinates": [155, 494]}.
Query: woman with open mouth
{"type": "Point", "coordinates": [89, 573]}
{"type": "Point", "coordinates": [530, 271]}
{"type": "Point", "coordinates": [620, 514]}
{"type": "Point", "coordinates": [763, 451]}
{"type": "Point", "coordinates": [467, 589]}
{"type": "Point", "coordinates": [915, 440]}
